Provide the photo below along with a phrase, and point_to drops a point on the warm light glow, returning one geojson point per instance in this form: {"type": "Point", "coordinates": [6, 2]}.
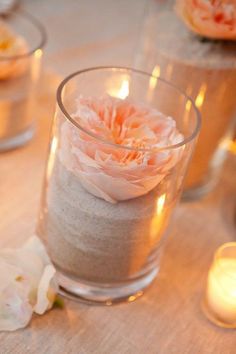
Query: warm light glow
{"type": "Point", "coordinates": [188, 105]}
{"type": "Point", "coordinates": [135, 296]}
{"type": "Point", "coordinates": [132, 298]}
{"type": "Point", "coordinates": [124, 89]}
{"type": "Point", "coordinates": [232, 147]}
{"type": "Point", "coordinates": [169, 71]}
{"type": "Point", "coordinates": [38, 53]}
{"type": "Point", "coordinates": [160, 204]}
{"type": "Point", "coordinates": [54, 144]}
{"type": "Point", "coordinates": [159, 219]}
{"type": "Point", "coordinates": [201, 96]}
{"type": "Point", "coordinates": [221, 289]}
{"type": "Point", "coordinates": [35, 69]}
{"type": "Point", "coordinates": [153, 79]}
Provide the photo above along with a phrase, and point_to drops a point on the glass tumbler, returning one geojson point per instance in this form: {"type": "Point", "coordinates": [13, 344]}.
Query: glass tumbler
{"type": "Point", "coordinates": [104, 237]}
{"type": "Point", "coordinates": [20, 57]}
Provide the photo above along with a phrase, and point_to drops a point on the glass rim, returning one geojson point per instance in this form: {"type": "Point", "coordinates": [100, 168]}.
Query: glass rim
{"type": "Point", "coordinates": [125, 147]}
{"type": "Point", "coordinates": [218, 256]}
{"type": "Point", "coordinates": [35, 22]}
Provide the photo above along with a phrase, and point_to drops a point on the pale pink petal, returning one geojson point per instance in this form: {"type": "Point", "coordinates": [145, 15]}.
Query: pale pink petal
{"type": "Point", "coordinates": [92, 188]}
{"type": "Point", "coordinates": [115, 189]}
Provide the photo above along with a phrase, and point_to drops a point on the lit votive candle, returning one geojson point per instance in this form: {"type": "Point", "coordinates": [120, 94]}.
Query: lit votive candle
{"type": "Point", "coordinates": [221, 287]}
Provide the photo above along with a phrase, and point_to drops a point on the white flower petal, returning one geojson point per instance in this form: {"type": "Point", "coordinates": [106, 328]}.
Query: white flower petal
{"type": "Point", "coordinates": [15, 309]}
{"type": "Point", "coordinates": [43, 301]}
{"type": "Point", "coordinates": [27, 283]}
{"type": "Point", "coordinates": [35, 245]}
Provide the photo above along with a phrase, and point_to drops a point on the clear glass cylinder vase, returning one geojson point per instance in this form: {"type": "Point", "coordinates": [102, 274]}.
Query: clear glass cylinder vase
{"type": "Point", "coordinates": [105, 209]}
{"type": "Point", "coordinates": [203, 68]}
{"type": "Point", "coordinates": [21, 44]}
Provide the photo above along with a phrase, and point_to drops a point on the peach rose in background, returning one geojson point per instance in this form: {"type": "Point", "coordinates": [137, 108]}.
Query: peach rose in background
{"type": "Point", "coordinates": [27, 284]}
{"type": "Point", "coordinates": [11, 45]}
{"type": "Point", "coordinates": [210, 18]}
{"type": "Point", "coordinates": [109, 172]}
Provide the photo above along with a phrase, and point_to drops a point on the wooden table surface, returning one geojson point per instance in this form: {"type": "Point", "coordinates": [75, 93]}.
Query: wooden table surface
{"type": "Point", "coordinates": [168, 318]}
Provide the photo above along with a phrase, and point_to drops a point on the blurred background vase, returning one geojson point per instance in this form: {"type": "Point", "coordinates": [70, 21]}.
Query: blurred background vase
{"type": "Point", "coordinates": [21, 41]}
{"type": "Point", "coordinates": [206, 70]}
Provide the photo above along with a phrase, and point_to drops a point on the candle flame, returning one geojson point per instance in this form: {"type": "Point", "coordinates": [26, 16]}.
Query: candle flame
{"type": "Point", "coordinates": [124, 89]}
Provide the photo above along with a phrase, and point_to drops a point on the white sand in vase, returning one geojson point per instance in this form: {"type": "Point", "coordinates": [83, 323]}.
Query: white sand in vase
{"type": "Point", "coordinates": [98, 241]}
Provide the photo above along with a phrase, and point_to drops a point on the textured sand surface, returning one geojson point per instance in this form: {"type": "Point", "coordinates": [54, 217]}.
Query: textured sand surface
{"type": "Point", "coordinates": [96, 240]}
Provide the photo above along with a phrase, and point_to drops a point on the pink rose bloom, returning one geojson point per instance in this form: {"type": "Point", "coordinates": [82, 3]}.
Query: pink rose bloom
{"type": "Point", "coordinates": [109, 171]}
{"type": "Point", "coordinates": [209, 18]}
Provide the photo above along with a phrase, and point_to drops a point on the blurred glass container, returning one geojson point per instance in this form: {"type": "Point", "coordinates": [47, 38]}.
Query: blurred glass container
{"type": "Point", "coordinates": [206, 71]}
{"type": "Point", "coordinates": [21, 41]}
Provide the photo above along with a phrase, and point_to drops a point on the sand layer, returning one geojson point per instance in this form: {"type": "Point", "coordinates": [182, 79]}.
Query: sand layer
{"type": "Point", "coordinates": [94, 240]}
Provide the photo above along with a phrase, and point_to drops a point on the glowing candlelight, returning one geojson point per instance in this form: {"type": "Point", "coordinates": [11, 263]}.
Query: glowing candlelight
{"type": "Point", "coordinates": [201, 96]}
{"type": "Point", "coordinates": [221, 286]}
{"type": "Point", "coordinates": [153, 79]}
{"type": "Point", "coordinates": [124, 90]}
{"type": "Point", "coordinates": [119, 89]}
{"type": "Point", "coordinates": [158, 218]}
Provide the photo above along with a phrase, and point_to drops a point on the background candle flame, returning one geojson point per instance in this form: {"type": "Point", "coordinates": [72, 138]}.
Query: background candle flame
{"type": "Point", "coordinates": [123, 92]}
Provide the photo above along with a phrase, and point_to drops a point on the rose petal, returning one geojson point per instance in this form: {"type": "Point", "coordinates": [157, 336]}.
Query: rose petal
{"type": "Point", "coordinates": [116, 189]}
{"type": "Point", "coordinates": [113, 173]}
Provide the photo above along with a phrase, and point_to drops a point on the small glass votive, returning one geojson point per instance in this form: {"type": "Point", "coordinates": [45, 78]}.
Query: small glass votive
{"type": "Point", "coordinates": [220, 298]}
{"type": "Point", "coordinates": [21, 41]}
